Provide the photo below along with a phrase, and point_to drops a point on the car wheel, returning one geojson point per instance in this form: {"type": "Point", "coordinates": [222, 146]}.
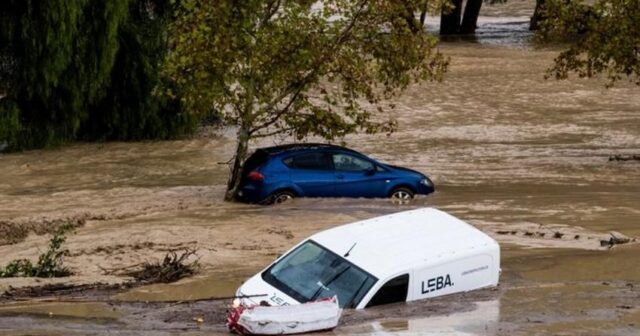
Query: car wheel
{"type": "Point", "coordinates": [282, 196]}
{"type": "Point", "coordinates": [402, 195]}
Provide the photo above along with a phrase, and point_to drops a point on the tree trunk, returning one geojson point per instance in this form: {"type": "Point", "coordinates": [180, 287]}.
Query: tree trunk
{"type": "Point", "coordinates": [470, 19]}
{"type": "Point", "coordinates": [537, 17]}
{"type": "Point", "coordinates": [450, 22]}
{"type": "Point", "coordinates": [233, 185]}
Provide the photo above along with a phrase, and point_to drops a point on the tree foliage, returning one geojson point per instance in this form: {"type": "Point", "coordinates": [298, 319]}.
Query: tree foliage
{"type": "Point", "coordinates": [63, 53]}
{"type": "Point", "coordinates": [604, 38]}
{"type": "Point", "coordinates": [129, 109]}
{"type": "Point", "coordinates": [298, 68]}
{"type": "Point", "coordinates": [82, 68]}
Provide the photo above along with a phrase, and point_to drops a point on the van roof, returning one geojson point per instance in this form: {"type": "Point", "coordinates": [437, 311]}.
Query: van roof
{"type": "Point", "coordinates": [388, 245]}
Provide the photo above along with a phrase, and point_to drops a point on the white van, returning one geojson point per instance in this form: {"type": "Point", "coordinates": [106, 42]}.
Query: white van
{"type": "Point", "coordinates": [405, 256]}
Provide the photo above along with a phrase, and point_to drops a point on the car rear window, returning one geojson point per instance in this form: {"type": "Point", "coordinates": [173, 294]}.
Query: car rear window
{"type": "Point", "coordinates": [257, 159]}
{"type": "Point", "coordinates": [316, 161]}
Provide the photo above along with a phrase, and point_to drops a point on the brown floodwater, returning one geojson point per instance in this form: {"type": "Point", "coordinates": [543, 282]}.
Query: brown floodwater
{"type": "Point", "coordinates": [508, 150]}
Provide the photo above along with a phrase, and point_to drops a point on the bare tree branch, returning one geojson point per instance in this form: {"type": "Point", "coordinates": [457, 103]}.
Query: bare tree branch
{"type": "Point", "coordinates": [410, 17]}
{"type": "Point", "coordinates": [271, 9]}
{"type": "Point", "coordinates": [280, 113]}
{"type": "Point", "coordinates": [276, 132]}
{"type": "Point", "coordinates": [423, 13]}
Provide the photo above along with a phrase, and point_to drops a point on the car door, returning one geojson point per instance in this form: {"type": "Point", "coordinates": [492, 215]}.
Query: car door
{"type": "Point", "coordinates": [356, 176]}
{"type": "Point", "coordinates": [311, 172]}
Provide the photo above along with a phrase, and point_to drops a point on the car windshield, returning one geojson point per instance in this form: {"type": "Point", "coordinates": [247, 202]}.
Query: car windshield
{"type": "Point", "coordinates": [312, 272]}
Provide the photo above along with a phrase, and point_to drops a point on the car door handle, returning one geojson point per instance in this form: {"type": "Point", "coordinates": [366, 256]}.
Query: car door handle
{"type": "Point", "coordinates": [339, 176]}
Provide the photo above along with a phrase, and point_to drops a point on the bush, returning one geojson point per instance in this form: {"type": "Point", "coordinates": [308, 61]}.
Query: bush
{"type": "Point", "coordinates": [50, 263]}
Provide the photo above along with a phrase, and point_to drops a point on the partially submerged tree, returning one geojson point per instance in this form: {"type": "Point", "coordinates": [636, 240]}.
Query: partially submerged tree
{"type": "Point", "coordinates": [538, 15]}
{"type": "Point", "coordinates": [604, 38]}
{"type": "Point", "coordinates": [454, 21]}
{"type": "Point", "coordinates": [298, 68]}
{"type": "Point", "coordinates": [450, 18]}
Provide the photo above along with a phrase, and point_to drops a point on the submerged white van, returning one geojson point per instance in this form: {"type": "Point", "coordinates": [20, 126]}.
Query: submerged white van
{"type": "Point", "coordinates": [405, 256]}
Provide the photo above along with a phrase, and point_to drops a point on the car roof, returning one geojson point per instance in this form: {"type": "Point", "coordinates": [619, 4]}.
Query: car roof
{"type": "Point", "coordinates": [390, 244]}
{"type": "Point", "coordinates": [275, 150]}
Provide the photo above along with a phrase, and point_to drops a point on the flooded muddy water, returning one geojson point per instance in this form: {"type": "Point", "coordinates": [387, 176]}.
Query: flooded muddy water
{"type": "Point", "coordinates": [522, 158]}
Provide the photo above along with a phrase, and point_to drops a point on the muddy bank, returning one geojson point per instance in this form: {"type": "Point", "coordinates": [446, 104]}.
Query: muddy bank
{"type": "Point", "coordinates": [157, 317]}
{"type": "Point", "coordinates": [15, 231]}
{"type": "Point", "coordinates": [540, 293]}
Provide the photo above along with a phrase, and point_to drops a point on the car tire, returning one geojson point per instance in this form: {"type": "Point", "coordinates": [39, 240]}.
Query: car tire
{"type": "Point", "coordinates": [402, 194]}
{"type": "Point", "coordinates": [282, 196]}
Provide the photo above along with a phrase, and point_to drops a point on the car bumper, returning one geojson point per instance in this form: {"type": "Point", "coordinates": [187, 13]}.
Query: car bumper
{"type": "Point", "coordinates": [251, 194]}
{"type": "Point", "coordinates": [426, 188]}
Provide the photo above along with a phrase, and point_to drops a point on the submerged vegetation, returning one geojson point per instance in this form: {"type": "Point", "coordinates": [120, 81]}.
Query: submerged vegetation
{"type": "Point", "coordinates": [15, 231]}
{"type": "Point", "coordinates": [50, 263]}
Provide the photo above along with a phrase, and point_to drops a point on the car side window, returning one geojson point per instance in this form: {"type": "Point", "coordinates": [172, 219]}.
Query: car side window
{"type": "Point", "coordinates": [395, 290]}
{"type": "Point", "coordinates": [314, 161]}
{"type": "Point", "coordinates": [345, 162]}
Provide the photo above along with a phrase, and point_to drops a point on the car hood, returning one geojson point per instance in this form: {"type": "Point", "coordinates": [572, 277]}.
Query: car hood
{"type": "Point", "coordinates": [406, 170]}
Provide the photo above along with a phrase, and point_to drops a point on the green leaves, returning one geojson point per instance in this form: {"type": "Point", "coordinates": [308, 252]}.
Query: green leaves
{"type": "Point", "coordinates": [299, 67]}
{"type": "Point", "coordinates": [50, 263]}
{"type": "Point", "coordinates": [604, 38]}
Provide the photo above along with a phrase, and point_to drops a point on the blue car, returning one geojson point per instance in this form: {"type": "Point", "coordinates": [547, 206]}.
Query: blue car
{"type": "Point", "coordinates": [277, 174]}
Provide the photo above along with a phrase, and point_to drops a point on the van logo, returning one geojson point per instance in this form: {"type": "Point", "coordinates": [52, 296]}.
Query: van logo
{"type": "Point", "coordinates": [278, 300]}
{"type": "Point", "coordinates": [436, 283]}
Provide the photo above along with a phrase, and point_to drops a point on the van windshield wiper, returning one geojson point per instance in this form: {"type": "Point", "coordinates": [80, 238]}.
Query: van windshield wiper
{"type": "Point", "coordinates": [334, 278]}
{"type": "Point", "coordinates": [355, 295]}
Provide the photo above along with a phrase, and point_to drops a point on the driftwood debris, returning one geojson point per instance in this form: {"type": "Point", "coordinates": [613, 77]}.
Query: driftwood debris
{"type": "Point", "coordinates": [616, 238]}
{"type": "Point", "coordinates": [174, 266]}
{"type": "Point", "coordinates": [620, 157]}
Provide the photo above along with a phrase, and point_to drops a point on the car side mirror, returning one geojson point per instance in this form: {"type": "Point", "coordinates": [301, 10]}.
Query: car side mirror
{"type": "Point", "coordinates": [370, 171]}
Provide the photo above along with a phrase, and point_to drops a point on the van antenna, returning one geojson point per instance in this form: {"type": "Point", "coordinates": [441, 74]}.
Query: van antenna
{"type": "Point", "coordinates": [352, 246]}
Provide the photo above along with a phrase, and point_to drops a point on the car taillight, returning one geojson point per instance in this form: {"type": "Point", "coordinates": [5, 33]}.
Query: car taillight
{"type": "Point", "coordinates": [256, 176]}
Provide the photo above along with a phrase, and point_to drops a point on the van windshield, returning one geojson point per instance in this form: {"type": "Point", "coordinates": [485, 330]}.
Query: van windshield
{"type": "Point", "coordinates": [312, 272]}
